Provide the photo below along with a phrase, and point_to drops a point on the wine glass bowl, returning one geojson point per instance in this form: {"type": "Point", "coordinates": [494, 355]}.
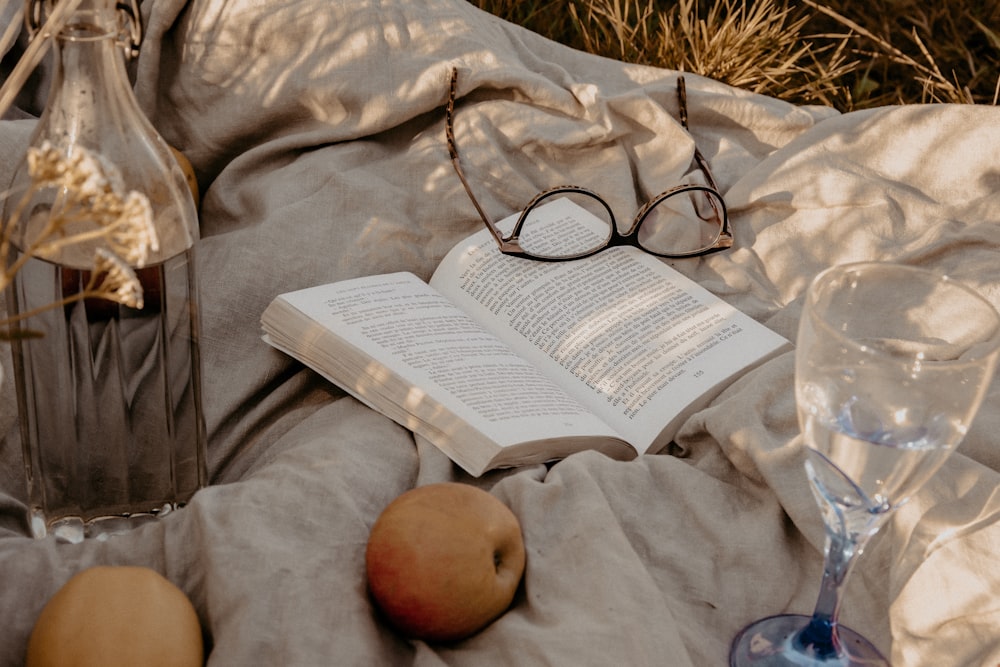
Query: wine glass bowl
{"type": "Point", "coordinates": [892, 363]}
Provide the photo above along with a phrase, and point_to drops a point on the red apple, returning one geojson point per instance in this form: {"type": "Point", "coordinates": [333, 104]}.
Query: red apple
{"type": "Point", "coordinates": [444, 560]}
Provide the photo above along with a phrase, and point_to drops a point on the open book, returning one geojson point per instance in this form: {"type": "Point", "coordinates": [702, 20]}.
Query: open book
{"type": "Point", "coordinates": [502, 361]}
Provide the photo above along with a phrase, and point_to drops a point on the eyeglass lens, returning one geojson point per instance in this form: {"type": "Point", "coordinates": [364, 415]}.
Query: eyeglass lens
{"type": "Point", "coordinates": [681, 222]}
{"type": "Point", "coordinates": [588, 224]}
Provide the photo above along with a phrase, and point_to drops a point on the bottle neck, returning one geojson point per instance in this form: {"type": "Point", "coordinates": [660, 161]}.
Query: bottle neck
{"type": "Point", "coordinates": [90, 85]}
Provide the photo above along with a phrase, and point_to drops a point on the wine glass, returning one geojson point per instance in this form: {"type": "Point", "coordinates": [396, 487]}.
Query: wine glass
{"type": "Point", "coordinates": [891, 364]}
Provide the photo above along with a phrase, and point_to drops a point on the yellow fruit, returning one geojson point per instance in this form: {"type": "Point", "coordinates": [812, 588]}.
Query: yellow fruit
{"type": "Point", "coordinates": [444, 560]}
{"type": "Point", "coordinates": [113, 616]}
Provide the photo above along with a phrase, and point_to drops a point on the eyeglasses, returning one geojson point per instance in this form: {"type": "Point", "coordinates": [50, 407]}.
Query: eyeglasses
{"type": "Point", "coordinates": [685, 221]}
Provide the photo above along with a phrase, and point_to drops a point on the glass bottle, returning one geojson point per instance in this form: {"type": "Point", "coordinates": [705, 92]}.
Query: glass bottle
{"type": "Point", "coordinates": [109, 395]}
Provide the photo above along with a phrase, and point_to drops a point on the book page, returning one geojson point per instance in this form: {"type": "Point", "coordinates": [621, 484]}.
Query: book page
{"type": "Point", "coordinates": [440, 353]}
{"type": "Point", "coordinates": [631, 338]}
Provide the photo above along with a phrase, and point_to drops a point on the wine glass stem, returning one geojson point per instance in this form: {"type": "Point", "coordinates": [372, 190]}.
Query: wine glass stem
{"type": "Point", "coordinates": [820, 637]}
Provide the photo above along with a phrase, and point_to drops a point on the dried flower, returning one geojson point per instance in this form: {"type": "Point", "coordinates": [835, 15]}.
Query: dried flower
{"type": "Point", "coordinates": [117, 278]}
{"type": "Point", "coordinates": [90, 206]}
{"type": "Point", "coordinates": [135, 236]}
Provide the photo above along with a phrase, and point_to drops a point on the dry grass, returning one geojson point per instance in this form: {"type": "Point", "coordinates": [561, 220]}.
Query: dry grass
{"type": "Point", "coordinates": [841, 53]}
{"type": "Point", "coordinates": [911, 51]}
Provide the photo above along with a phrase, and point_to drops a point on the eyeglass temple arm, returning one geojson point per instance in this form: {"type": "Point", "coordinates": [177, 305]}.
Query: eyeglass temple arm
{"type": "Point", "coordinates": [449, 133]}
{"type": "Point", "coordinates": [683, 113]}
{"type": "Point", "coordinates": [726, 239]}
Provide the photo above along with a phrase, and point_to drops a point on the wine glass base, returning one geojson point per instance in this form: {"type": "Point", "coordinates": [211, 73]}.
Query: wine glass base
{"type": "Point", "coordinates": [769, 643]}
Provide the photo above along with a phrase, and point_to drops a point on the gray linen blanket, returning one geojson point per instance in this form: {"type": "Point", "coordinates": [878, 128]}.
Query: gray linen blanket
{"type": "Point", "coordinates": [317, 131]}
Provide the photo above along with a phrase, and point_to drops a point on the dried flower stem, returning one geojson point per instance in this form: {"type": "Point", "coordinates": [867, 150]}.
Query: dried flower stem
{"type": "Point", "coordinates": [96, 288]}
